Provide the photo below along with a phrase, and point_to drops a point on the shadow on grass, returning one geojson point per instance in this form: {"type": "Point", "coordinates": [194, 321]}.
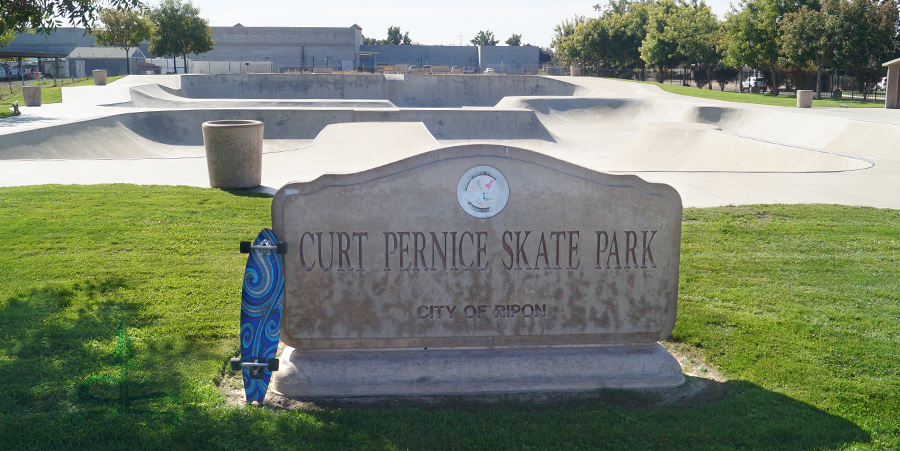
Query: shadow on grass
{"type": "Point", "coordinates": [55, 338]}
{"type": "Point", "coordinates": [247, 193]}
{"type": "Point", "coordinates": [59, 353]}
{"type": "Point", "coordinates": [749, 417]}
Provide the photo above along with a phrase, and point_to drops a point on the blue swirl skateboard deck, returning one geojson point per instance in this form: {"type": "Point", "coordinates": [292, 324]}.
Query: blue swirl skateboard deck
{"type": "Point", "coordinates": [262, 299]}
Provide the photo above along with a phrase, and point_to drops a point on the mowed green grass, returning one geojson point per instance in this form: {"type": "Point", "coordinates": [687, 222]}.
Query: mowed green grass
{"type": "Point", "coordinates": [765, 98]}
{"type": "Point", "coordinates": [799, 306]}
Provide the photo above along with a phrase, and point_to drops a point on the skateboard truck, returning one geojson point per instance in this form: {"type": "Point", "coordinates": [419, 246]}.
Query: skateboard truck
{"type": "Point", "coordinates": [256, 367]}
{"type": "Point", "coordinates": [246, 246]}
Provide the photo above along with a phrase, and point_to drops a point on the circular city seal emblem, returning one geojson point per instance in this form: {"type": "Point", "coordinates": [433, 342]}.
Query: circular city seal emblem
{"type": "Point", "coordinates": [482, 191]}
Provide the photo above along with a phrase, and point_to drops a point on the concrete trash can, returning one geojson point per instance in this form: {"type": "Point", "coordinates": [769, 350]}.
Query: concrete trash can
{"type": "Point", "coordinates": [234, 153]}
{"type": "Point", "coordinates": [31, 95]}
{"type": "Point", "coordinates": [574, 71]}
{"type": "Point", "coordinates": [99, 77]}
{"type": "Point", "coordinates": [804, 98]}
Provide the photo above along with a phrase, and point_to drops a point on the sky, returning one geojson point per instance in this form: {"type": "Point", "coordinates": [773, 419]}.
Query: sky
{"type": "Point", "coordinates": [430, 23]}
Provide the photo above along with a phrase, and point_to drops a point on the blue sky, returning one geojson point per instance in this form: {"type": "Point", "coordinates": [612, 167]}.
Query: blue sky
{"type": "Point", "coordinates": [427, 22]}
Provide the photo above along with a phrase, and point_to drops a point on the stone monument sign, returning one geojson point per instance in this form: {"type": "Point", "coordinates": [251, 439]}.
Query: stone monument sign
{"type": "Point", "coordinates": [476, 269]}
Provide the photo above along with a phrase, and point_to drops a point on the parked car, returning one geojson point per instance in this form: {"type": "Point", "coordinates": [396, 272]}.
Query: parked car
{"type": "Point", "coordinates": [454, 70]}
{"type": "Point", "coordinates": [882, 85]}
{"type": "Point", "coordinates": [750, 82]}
{"type": "Point", "coordinates": [2, 74]}
{"type": "Point", "coordinates": [413, 69]}
{"type": "Point", "coordinates": [489, 70]}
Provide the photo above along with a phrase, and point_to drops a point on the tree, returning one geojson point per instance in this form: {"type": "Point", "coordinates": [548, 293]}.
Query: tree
{"type": "Point", "coordinates": [751, 35]}
{"type": "Point", "coordinates": [660, 46]}
{"type": "Point", "coordinates": [7, 37]}
{"type": "Point", "coordinates": [484, 37]}
{"type": "Point", "coordinates": [125, 28]}
{"type": "Point", "coordinates": [394, 37]}
{"type": "Point", "coordinates": [515, 40]}
{"type": "Point", "coordinates": [872, 40]}
{"type": "Point", "coordinates": [585, 45]}
{"type": "Point", "coordinates": [723, 75]}
{"type": "Point", "coordinates": [627, 28]}
{"type": "Point", "coordinates": [564, 30]}
{"type": "Point", "coordinates": [696, 32]}
{"type": "Point", "coordinates": [43, 15]}
{"type": "Point", "coordinates": [178, 30]}
{"type": "Point", "coordinates": [812, 36]}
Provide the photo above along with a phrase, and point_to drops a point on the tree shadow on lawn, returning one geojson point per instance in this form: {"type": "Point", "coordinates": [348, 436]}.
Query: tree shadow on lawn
{"type": "Point", "coordinates": [55, 353]}
{"type": "Point", "coordinates": [54, 339]}
{"type": "Point", "coordinates": [747, 417]}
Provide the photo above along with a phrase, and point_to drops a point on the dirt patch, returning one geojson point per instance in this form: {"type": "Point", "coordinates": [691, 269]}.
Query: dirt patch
{"type": "Point", "coordinates": [703, 384]}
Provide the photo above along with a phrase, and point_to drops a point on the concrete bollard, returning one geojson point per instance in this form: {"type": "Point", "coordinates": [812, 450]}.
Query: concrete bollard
{"type": "Point", "coordinates": [99, 77]}
{"type": "Point", "coordinates": [804, 98]}
{"type": "Point", "coordinates": [31, 95]}
{"type": "Point", "coordinates": [234, 153]}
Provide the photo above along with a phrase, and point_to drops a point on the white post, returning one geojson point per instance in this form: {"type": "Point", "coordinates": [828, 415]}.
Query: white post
{"type": "Point", "coordinates": [893, 80]}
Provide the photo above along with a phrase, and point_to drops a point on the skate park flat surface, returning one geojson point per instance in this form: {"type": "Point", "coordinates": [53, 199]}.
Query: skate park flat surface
{"type": "Point", "coordinates": [146, 130]}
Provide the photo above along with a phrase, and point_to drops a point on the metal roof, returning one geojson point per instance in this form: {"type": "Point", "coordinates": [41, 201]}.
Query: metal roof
{"type": "Point", "coordinates": [7, 53]}
{"type": "Point", "coordinates": [104, 53]}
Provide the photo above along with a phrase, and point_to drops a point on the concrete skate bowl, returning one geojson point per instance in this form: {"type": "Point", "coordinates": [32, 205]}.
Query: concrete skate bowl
{"type": "Point", "coordinates": [677, 136]}
{"type": "Point", "coordinates": [177, 133]}
{"type": "Point", "coordinates": [538, 113]}
{"type": "Point", "coordinates": [364, 91]}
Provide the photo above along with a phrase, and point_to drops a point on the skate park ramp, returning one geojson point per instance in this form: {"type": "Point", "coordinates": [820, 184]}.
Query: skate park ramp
{"type": "Point", "coordinates": [405, 91]}
{"type": "Point", "coordinates": [685, 147]}
{"type": "Point", "coordinates": [178, 133]}
{"type": "Point", "coordinates": [607, 126]}
{"type": "Point", "coordinates": [160, 96]}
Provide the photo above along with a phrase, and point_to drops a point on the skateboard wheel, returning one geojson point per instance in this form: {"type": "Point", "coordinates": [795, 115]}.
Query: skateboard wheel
{"type": "Point", "coordinates": [245, 247]}
{"type": "Point", "coordinates": [236, 364]}
{"type": "Point", "coordinates": [282, 248]}
{"type": "Point", "coordinates": [273, 364]}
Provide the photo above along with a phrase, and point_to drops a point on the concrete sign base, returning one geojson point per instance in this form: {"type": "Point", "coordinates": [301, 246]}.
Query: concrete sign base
{"type": "Point", "coordinates": [428, 372]}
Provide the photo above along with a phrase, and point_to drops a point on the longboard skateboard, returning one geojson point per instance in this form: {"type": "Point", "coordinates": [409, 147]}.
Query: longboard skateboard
{"type": "Point", "coordinates": [262, 299]}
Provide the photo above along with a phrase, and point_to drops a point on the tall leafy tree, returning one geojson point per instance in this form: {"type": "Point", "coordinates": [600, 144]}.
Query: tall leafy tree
{"type": "Point", "coordinates": [484, 37]}
{"type": "Point", "coordinates": [660, 47]}
{"type": "Point", "coordinates": [873, 37]}
{"type": "Point", "coordinates": [585, 45]}
{"type": "Point", "coordinates": [564, 29]}
{"type": "Point", "coordinates": [752, 36]}
{"type": "Point", "coordinates": [179, 30]}
{"type": "Point", "coordinates": [515, 40]}
{"type": "Point", "coordinates": [394, 37]}
{"type": "Point", "coordinates": [696, 31]}
{"type": "Point", "coordinates": [125, 28]}
{"type": "Point", "coordinates": [627, 28]}
{"type": "Point", "coordinates": [814, 36]}
{"type": "Point", "coordinates": [44, 15]}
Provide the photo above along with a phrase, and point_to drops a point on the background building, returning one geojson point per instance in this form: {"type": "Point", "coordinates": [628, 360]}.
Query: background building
{"type": "Point", "coordinates": [290, 49]}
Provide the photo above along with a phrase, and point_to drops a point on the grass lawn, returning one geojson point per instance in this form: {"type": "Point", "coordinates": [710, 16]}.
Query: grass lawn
{"type": "Point", "coordinates": [763, 99]}
{"type": "Point", "coordinates": [798, 306]}
{"type": "Point", "coordinates": [48, 95]}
